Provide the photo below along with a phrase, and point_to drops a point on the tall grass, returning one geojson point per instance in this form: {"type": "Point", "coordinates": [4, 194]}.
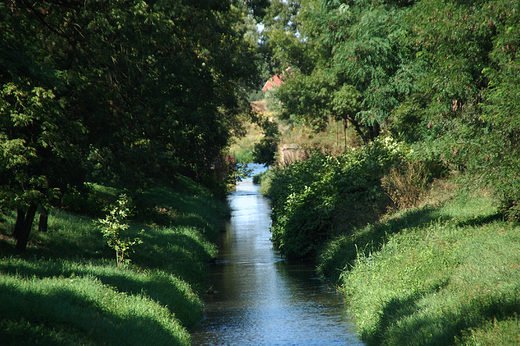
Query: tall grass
{"type": "Point", "coordinates": [406, 185]}
{"type": "Point", "coordinates": [437, 275]}
{"type": "Point", "coordinates": [67, 290]}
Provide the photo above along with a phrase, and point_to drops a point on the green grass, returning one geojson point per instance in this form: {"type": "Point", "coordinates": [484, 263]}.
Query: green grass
{"type": "Point", "coordinates": [442, 274]}
{"type": "Point", "coordinates": [167, 289]}
{"type": "Point", "coordinates": [67, 290]}
{"type": "Point", "coordinates": [81, 310]}
{"type": "Point", "coordinates": [183, 206]}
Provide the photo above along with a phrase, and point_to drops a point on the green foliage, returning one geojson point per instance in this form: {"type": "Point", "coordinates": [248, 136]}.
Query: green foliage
{"type": "Point", "coordinates": [314, 200]}
{"type": "Point", "coordinates": [112, 226]}
{"type": "Point", "coordinates": [465, 84]}
{"type": "Point", "coordinates": [280, 26]}
{"type": "Point", "coordinates": [258, 7]}
{"type": "Point", "coordinates": [81, 96]}
{"type": "Point", "coordinates": [244, 154]}
{"type": "Point", "coordinates": [242, 171]}
{"type": "Point", "coordinates": [443, 76]}
{"type": "Point", "coordinates": [348, 64]}
{"type": "Point", "coordinates": [501, 151]}
{"type": "Point", "coordinates": [265, 151]}
{"type": "Point", "coordinates": [32, 155]}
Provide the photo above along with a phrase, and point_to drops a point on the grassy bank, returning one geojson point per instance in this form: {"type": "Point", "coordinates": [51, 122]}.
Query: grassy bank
{"type": "Point", "coordinates": [440, 267]}
{"type": "Point", "coordinates": [66, 289]}
{"type": "Point", "coordinates": [446, 273]}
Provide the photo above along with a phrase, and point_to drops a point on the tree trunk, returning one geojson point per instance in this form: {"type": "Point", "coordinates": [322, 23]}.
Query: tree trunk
{"type": "Point", "coordinates": [375, 130]}
{"type": "Point", "coordinates": [20, 218]}
{"type": "Point", "coordinates": [44, 217]}
{"type": "Point", "coordinates": [359, 130]}
{"type": "Point", "coordinates": [22, 236]}
{"type": "Point", "coordinates": [345, 133]}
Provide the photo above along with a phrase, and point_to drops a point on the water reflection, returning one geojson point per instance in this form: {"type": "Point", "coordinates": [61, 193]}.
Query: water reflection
{"type": "Point", "coordinates": [261, 299]}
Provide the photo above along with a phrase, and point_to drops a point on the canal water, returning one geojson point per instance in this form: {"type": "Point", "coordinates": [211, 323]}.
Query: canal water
{"type": "Point", "coordinates": [261, 299]}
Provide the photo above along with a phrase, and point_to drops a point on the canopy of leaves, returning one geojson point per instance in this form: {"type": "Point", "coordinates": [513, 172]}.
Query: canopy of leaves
{"type": "Point", "coordinates": [343, 47]}
{"type": "Point", "coordinates": [442, 75]}
{"type": "Point", "coordinates": [152, 92]}
{"type": "Point", "coordinates": [121, 92]}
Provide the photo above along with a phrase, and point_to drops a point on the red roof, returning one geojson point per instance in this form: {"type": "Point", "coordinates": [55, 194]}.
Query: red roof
{"type": "Point", "coordinates": [274, 81]}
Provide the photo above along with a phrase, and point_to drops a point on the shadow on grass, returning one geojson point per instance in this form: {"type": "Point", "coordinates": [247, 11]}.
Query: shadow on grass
{"type": "Point", "coordinates": [179, 251]}
{"type": "Point", "coordinates": [482, 220]}
{"type": "Point", "coordinates": [178, 210]}
{"type": "Point", "coordinates": [405, 321]}
{"type": "Point", "coordinates": [69, 236]}
{"type": "Point", "coordinates": [182, 251]}
{"type": "Point", "coordinates": [76, 314]}
{"type": "Point", "coordinates": [342, 251]}
{"type": "Point", "coordinates": [162, 288]}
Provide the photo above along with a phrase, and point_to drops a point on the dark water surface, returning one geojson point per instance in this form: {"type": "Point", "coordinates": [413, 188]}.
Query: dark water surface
{"type": "Point", "coordinates": [261, 299]}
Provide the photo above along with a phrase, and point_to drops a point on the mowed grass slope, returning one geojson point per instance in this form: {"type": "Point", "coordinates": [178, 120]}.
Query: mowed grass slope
{"type": "Point", "coordinates": [443, 274]}
{"type": "Point", "coordinates": [67, 290]}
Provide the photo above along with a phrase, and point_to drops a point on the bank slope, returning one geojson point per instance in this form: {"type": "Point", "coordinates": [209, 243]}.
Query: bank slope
{"type": "Point", "coordinates": [445, 275]}
{"type": "Point", "coordinates": [67, 290]}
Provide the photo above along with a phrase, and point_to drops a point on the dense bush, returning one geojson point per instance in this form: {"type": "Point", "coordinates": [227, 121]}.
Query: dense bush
{"type": "Point", "coordinates": [315, 199]}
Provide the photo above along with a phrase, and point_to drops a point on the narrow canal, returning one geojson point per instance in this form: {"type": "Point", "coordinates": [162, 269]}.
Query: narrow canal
{"type": "Point", "coordinates": [261, 299]}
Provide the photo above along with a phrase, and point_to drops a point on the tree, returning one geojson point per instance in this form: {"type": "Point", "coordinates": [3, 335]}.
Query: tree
{"type": "Point", "coordinates": [34, 152]}
{"type": "Point", "coordinates": [126, 93]}
{"type": "Point", "coordinates": [265, 151]}
{"type": "Point", "coordinates": [500, 159]}
{"type": "Point", "coordinates": [39, 156]}
{"type": "Point", "coordinates": [113, 224]}
{"type": "Point", "coordinates": [258, 8]}
{"type": "Point", "coordinates": [349, 52]}
{"type": "Point", "coordinates": [465, 100]}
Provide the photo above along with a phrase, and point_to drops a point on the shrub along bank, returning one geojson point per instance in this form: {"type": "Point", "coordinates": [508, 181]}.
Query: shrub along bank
{"type": "Point", "coordinates": [441, 268]}
{"type": "Point", "coordinates": [67, 288]}
{"type": "Point", "coordinates": [324, 196]}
